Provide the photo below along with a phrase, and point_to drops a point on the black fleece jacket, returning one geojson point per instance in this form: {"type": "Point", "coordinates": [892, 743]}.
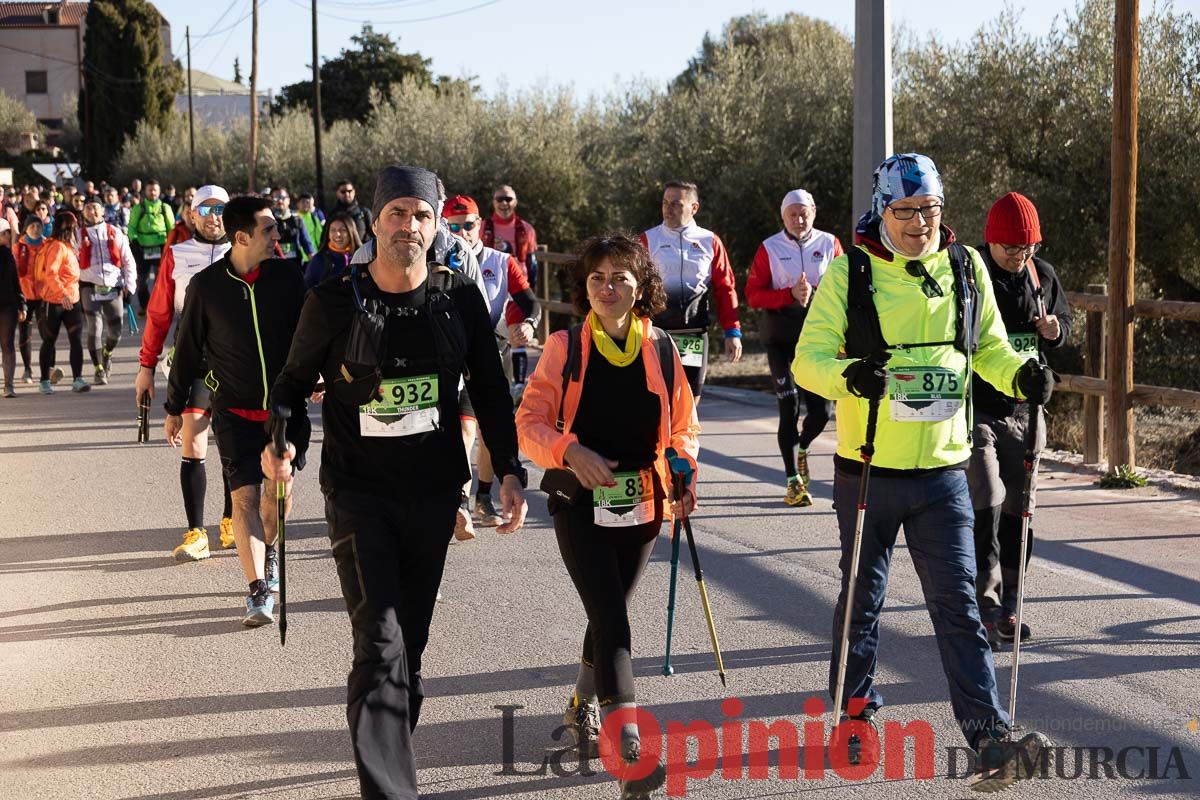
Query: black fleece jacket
{"type": "Point", "coordinates": [243, 331]}
{"type": "Point", "coordinates": [400, 466]}
{"type": "Point", "coordinates": [1017, 302]}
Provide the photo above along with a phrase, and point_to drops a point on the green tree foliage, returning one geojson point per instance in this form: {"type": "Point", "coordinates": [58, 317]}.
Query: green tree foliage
{"type": "Point", "coordinates": [15, 119]}
{"type": "Point", "coordinates": [125, 81]}
{"type": "Point", "coordinates": [374, 63]}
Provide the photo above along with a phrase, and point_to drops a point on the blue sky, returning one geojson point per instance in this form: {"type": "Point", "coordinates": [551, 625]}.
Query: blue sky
{"type": "Point", "coordinates": [591, 46]}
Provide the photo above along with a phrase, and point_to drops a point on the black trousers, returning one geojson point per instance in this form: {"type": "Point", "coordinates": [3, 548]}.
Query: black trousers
{"type": "Point", "coordinates": [817, 409]}
{"type": "Point", "coordinates": [605, 564]}
{"type": "Point", "coordinates": [390, 554]}
{"type": "Point", "coordinates": [52, 320]}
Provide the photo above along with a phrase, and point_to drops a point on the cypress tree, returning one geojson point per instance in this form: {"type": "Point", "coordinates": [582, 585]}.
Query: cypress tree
{"type": "Point", "coordinates": [125, 81]}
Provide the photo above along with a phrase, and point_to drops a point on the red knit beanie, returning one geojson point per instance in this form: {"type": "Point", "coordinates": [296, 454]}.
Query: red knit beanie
{"type": "Point", "coordinates": [1013, 220]}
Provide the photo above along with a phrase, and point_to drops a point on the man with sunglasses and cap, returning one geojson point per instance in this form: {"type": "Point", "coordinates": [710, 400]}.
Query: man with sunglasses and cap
{"type": "Point", "coordinates": [393, 338]}
{"type": "Point", "coordinates": [502, 279]}
{"type": "Point", "coordinates": [180, 264]}
{"type": "Point", "coordinates": [1033, 306]}
{"type": "Point", "coordinates": [900, 325]}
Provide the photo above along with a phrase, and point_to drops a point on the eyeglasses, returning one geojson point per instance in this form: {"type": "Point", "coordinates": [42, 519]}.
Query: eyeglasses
{"type": "Point", "coordinates": [499, 199]}
{"type": "Point", "coordinates": [455, 227]}
{"type": "Point", "coordinates": [216, 210]}
{"type": "Point", "coordinates": [1026, 250]}
{"type": "Point", "coordinates": [279, 198]}
{"type": "Point", "coordinates": [905, 214]}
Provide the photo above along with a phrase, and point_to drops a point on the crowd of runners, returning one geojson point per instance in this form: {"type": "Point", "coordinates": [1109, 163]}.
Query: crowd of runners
{"type": "Point", "coordinates": [406, 322]}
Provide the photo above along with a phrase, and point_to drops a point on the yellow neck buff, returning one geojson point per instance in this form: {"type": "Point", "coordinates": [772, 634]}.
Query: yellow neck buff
{"type": "Point", "coordinates": [608, 348]}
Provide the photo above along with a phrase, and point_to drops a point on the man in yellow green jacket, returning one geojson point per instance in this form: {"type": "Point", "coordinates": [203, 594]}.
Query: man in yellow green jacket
{"type": "Point", "coordinates": [914, 327]}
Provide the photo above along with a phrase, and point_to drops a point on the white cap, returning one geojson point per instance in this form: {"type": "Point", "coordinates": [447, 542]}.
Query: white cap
{"type": "Point", "coordinates": [4, 226]}
{"type": "Point", "coordinates": [209, 192]}
{"type": "Point", "coordinates": [797, 197]}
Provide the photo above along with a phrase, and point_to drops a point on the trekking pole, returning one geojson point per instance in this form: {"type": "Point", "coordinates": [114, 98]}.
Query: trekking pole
{"type": "Point", "coordinates": [133, 326]}
{"type": "Point", "coordinates": [867, 451]}
{"type": "Point", "coordinates": [143, 419]}
{"type": "Point", "coordinates": [279, 437]}
{"type": "Point", "coordinates": [1026, 518]}
{"type": "Point", "coordinates": [675, 536]}
{"type": "Point", "coordinates": [680, 475]}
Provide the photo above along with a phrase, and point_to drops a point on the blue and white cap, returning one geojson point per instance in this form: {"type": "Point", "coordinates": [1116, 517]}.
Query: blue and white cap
{"type": "Point", "coordinates": [904, 175]}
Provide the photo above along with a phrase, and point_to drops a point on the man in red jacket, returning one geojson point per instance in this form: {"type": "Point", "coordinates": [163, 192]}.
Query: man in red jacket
{"type": "Point", "coordinates": [785, 273]}
{"type": "Point", "coordinates": [507, 232]}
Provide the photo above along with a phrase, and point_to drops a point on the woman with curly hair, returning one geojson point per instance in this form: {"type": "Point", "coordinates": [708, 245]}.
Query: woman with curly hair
{"type": "Point", "coordinates": [602, 431]}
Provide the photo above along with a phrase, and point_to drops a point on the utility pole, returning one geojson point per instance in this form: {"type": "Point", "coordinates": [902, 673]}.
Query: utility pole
{"type": "Point", "coordinates": [872, 97]}
{"type": "Point", "coordinates": [1122, 236]}
{"type": "Point", "coordinates": [316, 68]}
{"type": "Point", "coordinates": [253, 96]}
{"type": "Point", "coordinates": [191, 116]}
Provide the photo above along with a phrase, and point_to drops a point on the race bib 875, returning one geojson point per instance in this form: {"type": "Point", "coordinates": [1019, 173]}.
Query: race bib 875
{"type": "Point", "coordinates": [924, 394]}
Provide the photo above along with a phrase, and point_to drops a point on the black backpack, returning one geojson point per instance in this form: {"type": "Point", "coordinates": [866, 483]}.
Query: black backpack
{"type": "Point", "coordinates": [864, 336]}
{"type": "Point", "coordinates": [574, 363]}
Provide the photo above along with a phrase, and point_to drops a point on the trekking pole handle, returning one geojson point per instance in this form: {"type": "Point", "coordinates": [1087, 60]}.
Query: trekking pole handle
{"type": "Point", "coordinates": [278, 431]}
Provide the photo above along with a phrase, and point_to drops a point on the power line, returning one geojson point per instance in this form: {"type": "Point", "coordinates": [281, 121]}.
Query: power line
{"type": "Point", "coordinates": [399, 21]}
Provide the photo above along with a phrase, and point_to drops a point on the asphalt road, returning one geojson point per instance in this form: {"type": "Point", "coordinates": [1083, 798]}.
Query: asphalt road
{"type": "Point", "coordinates": [126, 675]}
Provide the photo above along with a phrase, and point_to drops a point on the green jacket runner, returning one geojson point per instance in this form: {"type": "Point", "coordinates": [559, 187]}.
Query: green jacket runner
{"type": "Point", "coordinates": [921, 380]}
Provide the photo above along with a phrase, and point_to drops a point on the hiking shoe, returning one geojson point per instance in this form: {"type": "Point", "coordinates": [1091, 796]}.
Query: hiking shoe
{"type": "Point", "coordinates": [640, 788]}
{"type": "Point", "coordinates": [802, 466]}
{"type": "Point", "coordinates": [464, 529]}
{"type": "Point", "coordinates": [854, 743]}
{"type": "Point", "coordinates": [56, 375]}
{"type": "Point", "coordinates": [79, 386]}
{"type": "Point", "coordinates": [194, 547]}
{"type": "Point", "coordinates": [271, 568]}
{"type": "Point", "coordinates": [106, 361]}
{"type": "Point", "coordinates": [797, 494]}
{"type": "Point", "coordinates": [1007, 625]}
{"type": "Point", "coordinates": [260, 610]}
{"type": "Point", "coordinates": [228, 542]}
{"type": "Point", "coordinates": [582, 721]}
{"type": "Point", "coordinates": [486, 511]}
{"type": "Point", "coordinates": [993, 637]}
{"type": "Point", "coordinates": [27, 378]}
{"type": "Point", "coordinates": [44, 387]}
{"type": "Point", "coordinates": [1001, 763]}
{"type": "Point", "coordinates": [101, 377]}
{"type": "Point", "coordinates": [8, 390]}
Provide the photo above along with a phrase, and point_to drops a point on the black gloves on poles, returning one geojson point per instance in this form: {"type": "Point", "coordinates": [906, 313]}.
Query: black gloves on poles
{"type": "Point", "coordinates": [866, 378]}
{"type": "Point", "coordinates": [1035, 381]}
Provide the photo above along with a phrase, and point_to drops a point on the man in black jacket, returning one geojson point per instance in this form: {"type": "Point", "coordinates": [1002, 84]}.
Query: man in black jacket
{"type": "Point", "coordinates": [240, 314]}
{"type": "Point", "coordinates": [1033, 305]}
{"type": "Point", "coordinates": [392, 339]}
{"type": "Point", "coordinates": [347, 204]}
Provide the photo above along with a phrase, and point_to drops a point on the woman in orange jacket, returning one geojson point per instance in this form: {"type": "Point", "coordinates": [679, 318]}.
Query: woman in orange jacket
{"type": "Point", "coordinates": [603, 445]}
{"type": "Point", "coordinates": [56, 283]}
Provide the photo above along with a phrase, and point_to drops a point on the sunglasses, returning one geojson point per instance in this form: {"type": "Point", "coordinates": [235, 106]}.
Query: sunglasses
{"type": "Point", "coordinates": [455, 227]}
{"type": "Point", "coordinates": [216, 210]}
{"type": "Point", "coordinates": [280, 197]}
{"type": "Point", "coordinates": [504, 199]}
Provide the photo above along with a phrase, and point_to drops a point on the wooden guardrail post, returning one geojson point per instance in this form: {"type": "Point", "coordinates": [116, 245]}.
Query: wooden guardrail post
{"type": "Point", "coordinates": [1093, 366]}
{"type": "Point", "coordinates": [544, 275]}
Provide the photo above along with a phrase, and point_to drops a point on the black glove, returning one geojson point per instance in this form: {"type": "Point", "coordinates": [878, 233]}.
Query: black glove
{"type": "Point", "coordinates": [866, 378]}
{"type": "Point", "coordinates": [1035, 381]}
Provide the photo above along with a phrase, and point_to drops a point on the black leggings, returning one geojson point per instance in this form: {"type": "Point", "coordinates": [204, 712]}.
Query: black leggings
{"type": "Point", "coordinates": [8, 335]}
{"type": "Point", "coordinates": [816, 408]}
{"type": "Point", "coordinates": [605, 565]}
{"type": "Point", "coordinates": [53, 318]}
{"type": "Point", "coordinates": [25, 332]}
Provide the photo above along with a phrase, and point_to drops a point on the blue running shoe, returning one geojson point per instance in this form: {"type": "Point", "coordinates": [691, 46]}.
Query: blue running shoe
{"type": "Point", "coordinates": [271, 568]}
{"type": "Point", "coordinates": [259, 610]}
